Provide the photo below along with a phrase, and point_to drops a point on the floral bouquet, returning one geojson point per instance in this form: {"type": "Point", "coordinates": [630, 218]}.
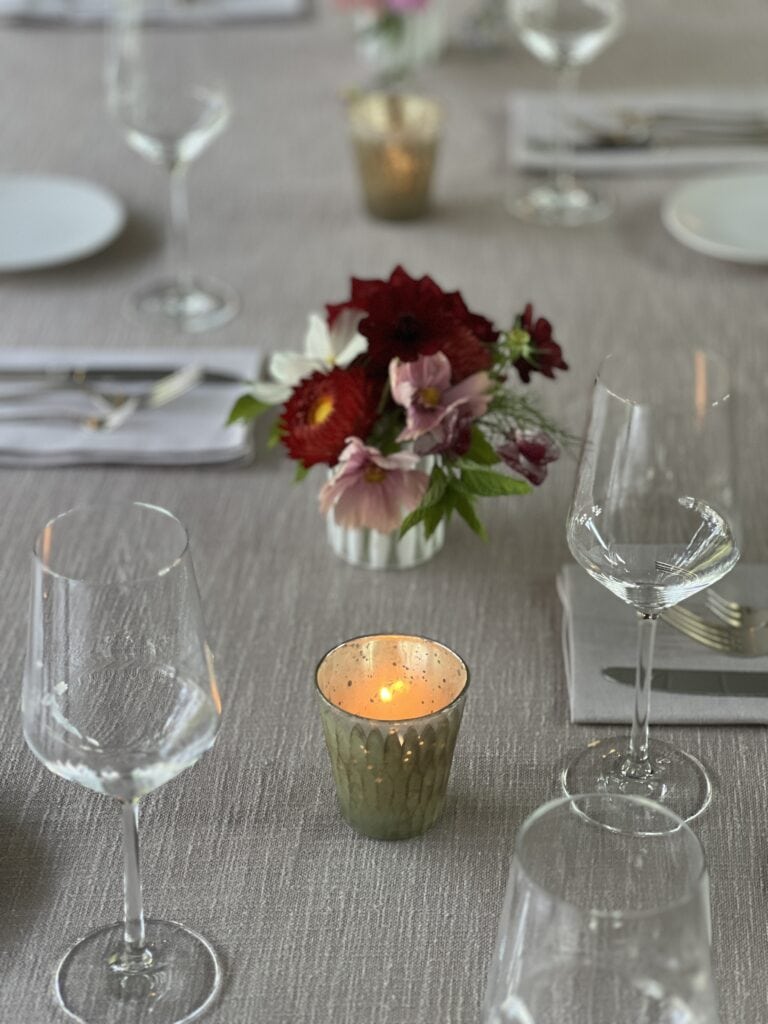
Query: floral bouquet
{"type": "Point", "coordinates": [395, 37]}
{"type": "Point", "coordinates": [401, 371]}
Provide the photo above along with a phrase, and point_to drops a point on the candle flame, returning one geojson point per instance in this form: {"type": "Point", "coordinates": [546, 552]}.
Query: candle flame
{"type": "Point", "coordinates": [386, 693]}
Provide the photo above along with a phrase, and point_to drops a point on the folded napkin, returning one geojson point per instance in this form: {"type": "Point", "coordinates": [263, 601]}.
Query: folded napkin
{"type": "Point", "coordinates": [87, 11]}
{"type": "Point", "coordinates": [600, 631]}
{"type": "Point", "coordinates": [190, 430]}
{"type": "Point", "coordinates": [531, 127]}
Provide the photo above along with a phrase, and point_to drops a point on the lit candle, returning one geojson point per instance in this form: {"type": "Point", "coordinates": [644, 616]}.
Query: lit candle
{"type": "Point", "coordinates": [391, 707]}
{"type": "Point", "coordinates": [395, 139]}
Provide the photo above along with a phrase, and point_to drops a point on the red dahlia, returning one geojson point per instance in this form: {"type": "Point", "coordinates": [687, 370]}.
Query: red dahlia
{"type": "Point", "coordinates": [544, 355]}
{"type": "Point", "coordinates": [407, 317]}
{"type": "Point", "coordinates": [324, 410]}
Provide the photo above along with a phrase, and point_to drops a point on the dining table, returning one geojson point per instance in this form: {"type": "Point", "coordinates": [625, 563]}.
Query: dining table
{"type": "Point", "coordinates": [315, 923]}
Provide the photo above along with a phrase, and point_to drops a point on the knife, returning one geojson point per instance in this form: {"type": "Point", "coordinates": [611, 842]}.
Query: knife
{"type": "Point", "coordinates": [697, 682]}
{"type": "Point", "coordinates": [55, 376]}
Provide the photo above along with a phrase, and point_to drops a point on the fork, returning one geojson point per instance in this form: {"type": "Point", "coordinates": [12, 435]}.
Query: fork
{"type": "Point", "coordinates": [744, 641]}
{"type": "Point", "coordinates": [734, 613]}
{"type": "Point", "coordinates": [121, 406]}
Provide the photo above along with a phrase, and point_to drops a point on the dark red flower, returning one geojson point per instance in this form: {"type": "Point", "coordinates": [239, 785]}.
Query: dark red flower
{"type": "Point", "coordinates": [528, 452]}
{"type": "Point", "coordinates": [324, 410]}
{"type": "Point", "coordinates": [407, 317]}
{"type": "Point", "coordinates": [543, 354]}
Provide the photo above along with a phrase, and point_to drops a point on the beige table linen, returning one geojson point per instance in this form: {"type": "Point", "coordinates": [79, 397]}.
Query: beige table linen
{"type": "Point", "coordinates": [315, 924]}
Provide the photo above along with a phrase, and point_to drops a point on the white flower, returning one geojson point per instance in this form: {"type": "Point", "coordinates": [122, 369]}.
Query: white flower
{"type": "Point", "coordinates": [324, 348]}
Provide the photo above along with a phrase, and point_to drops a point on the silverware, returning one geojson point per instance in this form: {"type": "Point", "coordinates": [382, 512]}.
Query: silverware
{"type": "Point", "coordinates": [121, 406]}
{"type": "Point", "coordinates": [64, 377]}
{"type": "Point", "coordinates": [743, 641]}
{"type": "Point", "coordinates": [734, 612]}
{"type": "Point", "coordinates": [697, 682]}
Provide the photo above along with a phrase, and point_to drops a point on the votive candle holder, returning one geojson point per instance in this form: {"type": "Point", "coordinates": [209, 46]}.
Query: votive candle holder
{"type": "Point", "coordinates": [395, 139]}
{"type": "Point", "coordinates": [391, 705]}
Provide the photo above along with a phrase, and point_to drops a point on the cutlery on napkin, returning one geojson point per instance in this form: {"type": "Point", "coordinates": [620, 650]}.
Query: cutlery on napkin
{"type": "Point", "coordinates": [191, 430]}
{"type": "Point", "coordinates": [600, 636]}
{"type": "Point", "coordinates": [627, 132]}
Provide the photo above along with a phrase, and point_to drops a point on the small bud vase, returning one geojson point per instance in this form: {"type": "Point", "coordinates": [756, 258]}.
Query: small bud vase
{"type": "Point", "coordinates": [369, 549]}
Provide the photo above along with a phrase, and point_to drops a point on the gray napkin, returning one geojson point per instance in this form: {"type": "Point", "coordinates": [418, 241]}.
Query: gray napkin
{"type": "Point", "coordinates": [79, 12]}
{"type": "Point", "coordinates": [600, 631]}
{"type": "Point", "coordinates": [531, 126]}
{"type": "Point", "coordinates": [191, 430]}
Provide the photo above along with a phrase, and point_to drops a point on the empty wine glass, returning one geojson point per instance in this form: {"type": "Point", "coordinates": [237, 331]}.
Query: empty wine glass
{"type": "Point", "coordinates": [652, 519]}
{"type": "Point", "coordinates": [171, 105]}
{"type": "Point", "coordinates": [119, 695]}
{"type": "Point", "coordinates": [605, 919]}
{"type": "Point", "coordinates": [564, 34]}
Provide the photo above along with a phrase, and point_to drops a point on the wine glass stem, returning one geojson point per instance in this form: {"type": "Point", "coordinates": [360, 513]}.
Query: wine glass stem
{"type": "Point", "coordinates": [562, 153]}
{"type": "Point", "coordinates": [134, 910]}
{"type": "Point", "coordinates": [178, 225]}
{"type": "Point", "coordinates": [638, 763]}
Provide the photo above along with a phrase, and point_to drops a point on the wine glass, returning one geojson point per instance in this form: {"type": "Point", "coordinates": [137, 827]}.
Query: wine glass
{"type": "Point", "coordinates": [564, 34]}
{"type": "Point", "coordinates": [652, 519]}
{"type": "Point", "coordinates": [171, 106]}
{"type": "Point", "coordinates": [605, 919]}
{"type": "Point", "coordinates": [119, 695]}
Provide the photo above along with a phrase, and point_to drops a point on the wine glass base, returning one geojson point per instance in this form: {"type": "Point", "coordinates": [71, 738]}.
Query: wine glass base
{"type": "Point", "coordinates": [191, 305]}
{"type": "Point", "coordinates": [677, 780]}
{"type": "Point", "coordinates": [176, 983]}
{"type": "Point", "coordinates": [560, 207]}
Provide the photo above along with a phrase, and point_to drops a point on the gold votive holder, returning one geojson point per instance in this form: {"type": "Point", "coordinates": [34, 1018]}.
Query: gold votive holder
{"type": "Point", "coordinates": [391, 706]}
{"type": "Point", "coordinates": [395, 140]}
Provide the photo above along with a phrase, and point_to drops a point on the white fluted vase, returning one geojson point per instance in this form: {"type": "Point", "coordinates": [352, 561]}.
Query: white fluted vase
{"type": "Point", "coordinates": [369, 549]}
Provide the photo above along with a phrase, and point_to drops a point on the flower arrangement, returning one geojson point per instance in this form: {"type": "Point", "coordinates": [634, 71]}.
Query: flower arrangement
{"type": "Point", "coordinates": [395, 37]}
{"type": "Point", "coordinates": [403, 370]}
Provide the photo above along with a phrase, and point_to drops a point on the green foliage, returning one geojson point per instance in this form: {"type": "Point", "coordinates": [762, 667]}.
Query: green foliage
{"type": "Point", "coordinates": [246, 409]}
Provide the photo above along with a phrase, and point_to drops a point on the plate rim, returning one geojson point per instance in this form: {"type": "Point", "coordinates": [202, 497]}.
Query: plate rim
{"type": "Point", "coordinates": [108, 233]}
{"type": "Point", "coordinates": [704, 244]}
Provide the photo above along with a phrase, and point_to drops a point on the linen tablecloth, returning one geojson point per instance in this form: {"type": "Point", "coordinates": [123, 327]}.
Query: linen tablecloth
{"type": "Point", "coordinates": [314, 923]}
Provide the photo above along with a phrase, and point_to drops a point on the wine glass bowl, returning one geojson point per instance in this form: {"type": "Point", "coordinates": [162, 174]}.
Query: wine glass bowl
{"type": "Point", "coordinates": [605, 919]}
{"type": "Point", "coordinates": [653, 520]}
{"type": "Point", "coordinates": [120, 696]}
{"type": "Point", "coordinates": [170, 103]}
{"type": "Point", "coordinates": [564, 35]}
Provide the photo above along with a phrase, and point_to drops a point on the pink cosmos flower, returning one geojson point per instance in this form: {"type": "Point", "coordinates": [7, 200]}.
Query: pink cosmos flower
{"type": "Point", "coordinates": [528, 452]}
{"type": "Point", "coordinates": [372, 490]}
{"type": "Point", "coordinates": [423, 388]}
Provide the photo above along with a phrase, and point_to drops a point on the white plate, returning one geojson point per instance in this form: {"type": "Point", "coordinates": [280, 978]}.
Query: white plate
{"type": "Point", "coordinates": [724, 216]}
{"type": "Point", "coordinates": [49, 219]}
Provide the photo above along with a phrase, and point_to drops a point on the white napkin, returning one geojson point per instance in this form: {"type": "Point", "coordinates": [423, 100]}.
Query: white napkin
{"type": "Point", "coordinates": [78, 12]}
{"type": "Point", "coordinates": [190, 430]}
{"type": "Point", "coordinates": [531, 120]}
{"type": "Point", "coordinates": [600, 631]}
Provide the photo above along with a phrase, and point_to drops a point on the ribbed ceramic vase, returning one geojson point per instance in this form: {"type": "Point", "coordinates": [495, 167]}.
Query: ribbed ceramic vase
{"type": "Point", "coordinates": [369, 549]}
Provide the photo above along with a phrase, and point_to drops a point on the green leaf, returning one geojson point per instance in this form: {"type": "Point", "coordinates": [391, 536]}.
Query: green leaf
{"type": "Point", "coordinates": [412, 519]}
{"type": "Point", "coordinates": [275, 435]}
{"type": "Point", "coordinates": [481, 450]}
{"type": "Point", "coordinates": [246, 408]}
{"type": "Point", "coordinates": [301, 472]}
{"type": "Point", "coordinates": [466, 509]}
{"type": "Point", "coordinates": [435, 513]}
{"type": "Point", "coordinates": [438, 482]}
{"type": "Point", "coordinates": [488, 484]}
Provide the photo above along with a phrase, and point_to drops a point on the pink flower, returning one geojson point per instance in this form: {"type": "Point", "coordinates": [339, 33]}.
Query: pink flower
{"type": "Point", "coordinates": [528, 452]}
{"type": "Point", "coordinates": [372, 490]}
{"type": "Point", "coordinates": [423, 388]}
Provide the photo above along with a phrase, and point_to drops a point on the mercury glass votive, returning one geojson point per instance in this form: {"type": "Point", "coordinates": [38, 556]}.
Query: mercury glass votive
{"type": "Point", "coordinates": [391, 707]}
{"type": "Point", "coordinates": [395, 140]}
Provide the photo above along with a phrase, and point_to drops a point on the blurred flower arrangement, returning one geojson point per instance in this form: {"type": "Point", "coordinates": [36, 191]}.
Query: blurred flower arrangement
{"type": "Point", "coordinates": [395, 37]}
{"type": "Point", "coordinates": [403, 370]}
